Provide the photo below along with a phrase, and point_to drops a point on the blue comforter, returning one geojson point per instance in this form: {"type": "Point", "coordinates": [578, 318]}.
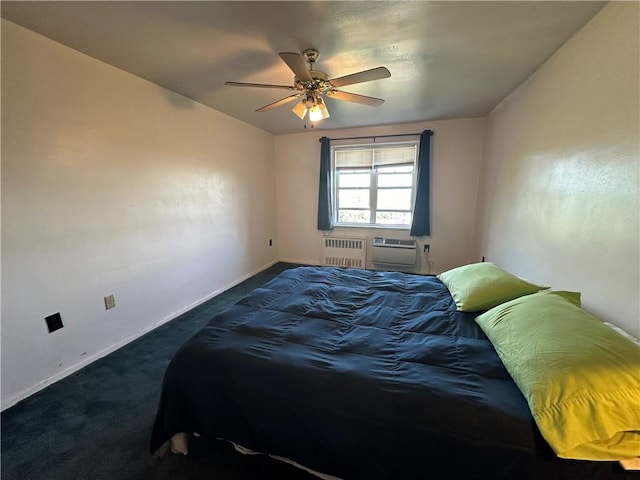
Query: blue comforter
{"type": "Point", "coordinates": [354, 373]}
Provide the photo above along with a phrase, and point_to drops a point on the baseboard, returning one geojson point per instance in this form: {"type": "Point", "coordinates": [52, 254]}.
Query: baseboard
{"type": "Point", "coordinates": [11, 401]}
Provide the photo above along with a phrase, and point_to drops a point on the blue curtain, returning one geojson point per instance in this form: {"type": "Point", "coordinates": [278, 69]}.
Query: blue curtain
{"type": "Point", "coordinates": [421, 224]}
{"type": "Point", "coordinates": [325, 208]}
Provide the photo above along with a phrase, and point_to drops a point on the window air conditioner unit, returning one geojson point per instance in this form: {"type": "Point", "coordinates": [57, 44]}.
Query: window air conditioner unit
{"type": "Point", "coordinates": [393, 253]}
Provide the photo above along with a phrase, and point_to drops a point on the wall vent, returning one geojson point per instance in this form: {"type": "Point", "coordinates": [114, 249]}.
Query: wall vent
{"type": "Point", "coordinates": [345, 252]}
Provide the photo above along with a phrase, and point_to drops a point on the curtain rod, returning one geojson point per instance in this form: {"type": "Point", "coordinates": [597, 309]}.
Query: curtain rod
{"type": "Point", "coordinates": [377, 136]}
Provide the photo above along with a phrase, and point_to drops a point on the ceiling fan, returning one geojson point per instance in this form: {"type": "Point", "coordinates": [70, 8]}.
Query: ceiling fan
{"type": "Point", "coordinates": [310, 85]}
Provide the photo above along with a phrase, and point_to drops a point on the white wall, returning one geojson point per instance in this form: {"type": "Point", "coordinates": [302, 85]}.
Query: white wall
{"type": "Point", "coordinates": [560, 180]}
{"type": "Point", "coordinates": [455, 169]}
{"type": "Point", "coordinates": [113, 185]}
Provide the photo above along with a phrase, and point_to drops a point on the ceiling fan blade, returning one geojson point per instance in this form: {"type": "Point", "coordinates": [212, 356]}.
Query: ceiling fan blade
{"type": "Point", "coordinates": [297, 65]}
{"type": "Point", "coordinates": [282, 101]}
{"type": "Point", "coordinates": [352, 97]}
{"type": "Point", "coordinates": [259, 85]}
{"type": "Point", "coordinates": [364, 76]}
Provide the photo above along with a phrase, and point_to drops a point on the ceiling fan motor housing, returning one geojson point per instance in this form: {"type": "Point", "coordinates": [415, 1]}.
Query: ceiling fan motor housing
{"type": "Point", "coordinates": [319, 81]}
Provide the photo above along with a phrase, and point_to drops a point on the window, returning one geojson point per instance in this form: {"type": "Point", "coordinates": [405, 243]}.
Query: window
{"type": "Point", "coordinates": [374, 184]}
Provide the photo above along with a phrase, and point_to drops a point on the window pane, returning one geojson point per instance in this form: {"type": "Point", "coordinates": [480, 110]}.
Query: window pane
{"type": "Point", "coordinates": [394, 199]}
{"type": "Point", "coordinates": [354, 180]}
{"type": "Point", "coordinates": [374, 183]}
{"type": "Point", "coordinates": [393, 218]}
{"type": "Point", "coordinates": [353, 198]}
{"type": "Point", "coordinates": [395, 180]}
{"type": "Point", "coordinates": [354, 216]}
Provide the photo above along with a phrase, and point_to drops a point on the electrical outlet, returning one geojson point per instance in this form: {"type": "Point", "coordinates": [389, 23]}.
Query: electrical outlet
{"type": "Point", "coordinates": [426, 247]}
{"type": "Point", "coordinates": [109, 302]}
{"type": "Point", "coordinates": [54, 322]}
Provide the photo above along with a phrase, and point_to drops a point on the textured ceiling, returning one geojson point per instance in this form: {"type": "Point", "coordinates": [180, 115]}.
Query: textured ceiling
{"type": "Point", "coordinates": [447, 59]}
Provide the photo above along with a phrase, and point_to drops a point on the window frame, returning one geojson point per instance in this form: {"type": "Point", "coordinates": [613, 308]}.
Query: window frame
{"type": "Point", "coordinates": [373, 188]}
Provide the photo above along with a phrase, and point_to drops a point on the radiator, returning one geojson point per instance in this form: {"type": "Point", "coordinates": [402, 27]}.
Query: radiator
{"type": "Point", "coordinates": [394, 253]}
{"type": "Point", "coordinates": [345, 252]}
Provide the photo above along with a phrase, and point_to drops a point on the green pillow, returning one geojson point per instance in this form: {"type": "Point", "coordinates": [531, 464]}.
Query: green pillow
{"type": "Point", "coordinates": [480, 286]}
{"type": "Point", "coordinates": [571, 297]}
{"type": "Point", "coordinates": [580, 378]}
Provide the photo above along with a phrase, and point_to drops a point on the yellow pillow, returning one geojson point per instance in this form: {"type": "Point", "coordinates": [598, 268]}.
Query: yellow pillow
{"type": "Point", "coordinates": [480, 286]}
{"type": "Point", "coordinates": [580, 378]}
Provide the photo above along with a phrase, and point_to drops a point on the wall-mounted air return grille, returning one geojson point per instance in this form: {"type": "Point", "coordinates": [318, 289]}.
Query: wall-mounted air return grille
{"type": "Point", "coordinates": [345, 252]}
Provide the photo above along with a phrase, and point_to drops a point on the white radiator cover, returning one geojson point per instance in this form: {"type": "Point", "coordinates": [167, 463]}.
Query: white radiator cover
{"type": "Point", "coordinates": [393, 252]}
{"type": "Point", "coordinates": [345, 251]}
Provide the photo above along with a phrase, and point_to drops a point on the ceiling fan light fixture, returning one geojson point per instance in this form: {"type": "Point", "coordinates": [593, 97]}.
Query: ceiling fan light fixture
{"type": "Point", "coordinates": [323, 109]}
{"type": "Point", "coordinates": [300, 109]}
{"type": "Point", "coordinates": [315, 114]}
{"type": "Point", "coordinates": [309, 101]}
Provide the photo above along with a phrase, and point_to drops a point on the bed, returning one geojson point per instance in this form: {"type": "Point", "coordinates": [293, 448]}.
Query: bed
{"type": "Point", "coordinates": [358, 374]}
